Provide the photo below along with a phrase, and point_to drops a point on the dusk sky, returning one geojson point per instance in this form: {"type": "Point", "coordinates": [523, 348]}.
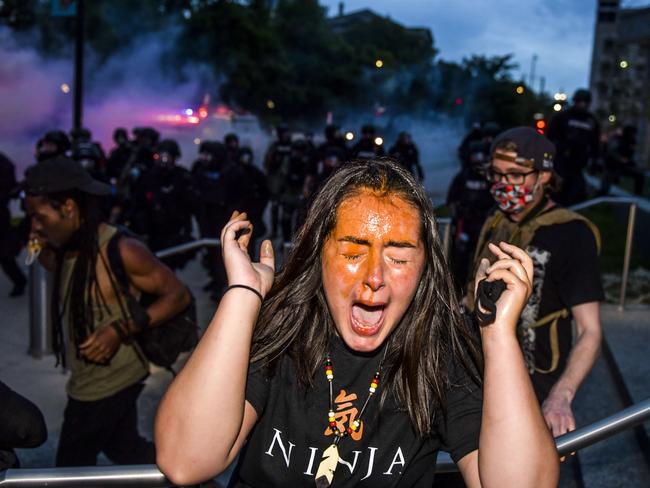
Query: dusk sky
{"type": "Point", "coordinates": [560, 32]}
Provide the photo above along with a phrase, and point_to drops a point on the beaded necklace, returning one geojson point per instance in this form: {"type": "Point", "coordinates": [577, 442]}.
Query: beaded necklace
{"type": "Point", "coordinates": [330, 459]}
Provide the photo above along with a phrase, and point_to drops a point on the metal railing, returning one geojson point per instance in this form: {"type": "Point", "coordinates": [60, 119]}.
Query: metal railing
{"type": "Point", "coordinates": [149, 476]}
{"type": "Point", "coordinates": [631, 222]}
{"type": "Point", "coordinates": [188, 246]}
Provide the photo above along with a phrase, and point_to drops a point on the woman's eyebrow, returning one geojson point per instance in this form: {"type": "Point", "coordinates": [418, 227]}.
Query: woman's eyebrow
{"type": "Point", "coordinates": [406, 244]}
{"type": "Point", "coordinates": [354, 240]}
{"type": "Point", "coordinates": [365, 242]}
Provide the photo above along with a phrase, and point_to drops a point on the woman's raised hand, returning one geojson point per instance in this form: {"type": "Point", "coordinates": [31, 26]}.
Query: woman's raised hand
{"type": "Point", "coordinates": [235, 238]}
{"type": "Point", "coordinates": [515, 268]}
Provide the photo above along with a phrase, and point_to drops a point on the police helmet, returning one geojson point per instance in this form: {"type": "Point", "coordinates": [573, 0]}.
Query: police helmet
{"type": "Point", "coordinates": [169, 146]}
{"type": "Point", "coordinates": [582, 95]}
{"type": "Point", "coordinates": [214, 148]}
{"type": "Point", "coordinates": [120, 133]}
{"type": "Point", "coordinates": [58, 138]}
{"type": "Point", "coordinates": [231, 138]}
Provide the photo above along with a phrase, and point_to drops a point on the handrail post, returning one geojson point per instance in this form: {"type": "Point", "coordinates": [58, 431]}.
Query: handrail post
{"type": "Point", "coordinates": [631, 220]}
{"type": "Point", "coordinates": [40, 332]}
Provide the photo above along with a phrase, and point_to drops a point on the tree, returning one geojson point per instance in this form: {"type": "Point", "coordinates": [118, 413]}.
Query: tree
{"type": "Point", "coordinates": [286, 61]}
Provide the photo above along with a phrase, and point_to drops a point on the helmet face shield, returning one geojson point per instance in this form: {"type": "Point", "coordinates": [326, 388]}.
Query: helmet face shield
{"type": "Point", "coordinates": [165, 159]}
{"type": "Point", "coordinates": [205, 157]}
{"type": "Point", "coordinates": [87, 163]}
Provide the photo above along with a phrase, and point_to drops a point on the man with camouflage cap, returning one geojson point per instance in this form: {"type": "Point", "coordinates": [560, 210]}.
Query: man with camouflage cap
{"type": "Point", "coordinates": [564, 247]}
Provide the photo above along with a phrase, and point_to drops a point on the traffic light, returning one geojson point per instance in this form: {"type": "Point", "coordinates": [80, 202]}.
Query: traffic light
{"type": "Point", "coordinates": [540, 123]}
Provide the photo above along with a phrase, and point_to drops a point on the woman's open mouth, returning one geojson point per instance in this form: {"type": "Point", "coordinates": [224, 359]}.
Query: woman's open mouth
{"type": "Point", "coordinates": [366, 319]}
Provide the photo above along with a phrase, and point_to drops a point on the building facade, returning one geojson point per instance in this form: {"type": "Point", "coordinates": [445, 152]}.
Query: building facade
{"type": "Point", "coordinates": [620, 71]}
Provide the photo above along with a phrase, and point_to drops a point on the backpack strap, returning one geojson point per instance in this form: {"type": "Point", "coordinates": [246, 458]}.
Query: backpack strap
{"type": "Point", "coordinates": [116, 265]}
{"type": "Point", "coordinates": [115, 271]}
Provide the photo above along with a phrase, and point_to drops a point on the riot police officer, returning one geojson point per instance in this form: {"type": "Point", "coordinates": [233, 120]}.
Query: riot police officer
{"type": "Point", "coordinates": [54, 143]}
{"type": "Point", "coordinates": [330, 155]}
{"type": "Point", "coordinates": [276, 166]}
{"type": "Point", "coordinates": [576, 135]}
{"type": "Point", "coordinates": [334, 138]}
{"type": "Point", "coordinates": [119, 155]}
{"type": "Point", "coordinates": [619, 161]}
{"type": "Point", "coordinates": [90, 158]}
{"type": "Point", "coordinates": [255, 191]}
{"type": "Point", "coordinates": [231, 140]}
{"type": "Point", "coordinates": [475, 134]}
{"type": "Point", "coordinates": [218, 185]}
{"type": "Point", "coordinates": [85, 136]}
{"type": "Point", "coordinates": [406, 153]}
{"type": "Point", "coordinates": [169, 200]}
{"type": "Point", "coordinates": [294, 191]}
{"type": "Point", "coordinates": [131, 183]}
{"type": "Point", "coordinates": [369, 146]}
{"type": "Point", "coordinates": [470, 202]}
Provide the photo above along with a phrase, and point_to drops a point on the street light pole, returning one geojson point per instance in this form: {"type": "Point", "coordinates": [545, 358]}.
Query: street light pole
{"type": "Point", "coordinates": [79, 67]}
{"type": "Point", "coordinates": [532, 72]}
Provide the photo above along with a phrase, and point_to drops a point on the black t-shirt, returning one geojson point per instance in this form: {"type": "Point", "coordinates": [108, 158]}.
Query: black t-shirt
{"type": "Point", "coordinates": [567, 274]}
{"type": "Point", "coordinates": [286, 445]}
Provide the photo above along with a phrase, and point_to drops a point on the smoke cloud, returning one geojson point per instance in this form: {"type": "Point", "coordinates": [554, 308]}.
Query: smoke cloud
{"type": "Point", "coordinates": [135, 87]}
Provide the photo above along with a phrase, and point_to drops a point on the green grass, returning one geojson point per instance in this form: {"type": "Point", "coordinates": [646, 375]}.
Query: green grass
{"type": "Point", "coordinates": [612, 224]}
{"type": "Point", "coordinates": [627, 184]}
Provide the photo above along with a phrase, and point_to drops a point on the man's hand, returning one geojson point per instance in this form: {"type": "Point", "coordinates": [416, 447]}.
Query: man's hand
{"type": "Point", "coordinates": [101, 345]}
{"type": "Point", "coordinates": [557, 413]}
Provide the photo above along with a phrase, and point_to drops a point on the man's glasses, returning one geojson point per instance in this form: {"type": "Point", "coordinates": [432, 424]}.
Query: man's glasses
{"type": "Point", "coordinates": [512, 178]}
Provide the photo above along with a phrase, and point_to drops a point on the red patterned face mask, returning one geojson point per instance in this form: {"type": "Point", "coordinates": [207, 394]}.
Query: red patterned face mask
{"type": "Point", "coordinates": [512, 198]}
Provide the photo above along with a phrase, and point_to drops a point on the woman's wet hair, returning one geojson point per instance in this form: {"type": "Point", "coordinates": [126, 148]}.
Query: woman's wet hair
{"type": "Point", "coordinates": [431, 336]}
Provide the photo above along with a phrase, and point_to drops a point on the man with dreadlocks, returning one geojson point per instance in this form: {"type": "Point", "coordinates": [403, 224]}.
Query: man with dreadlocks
{"type": "Point", "coordinates": [92, 337]}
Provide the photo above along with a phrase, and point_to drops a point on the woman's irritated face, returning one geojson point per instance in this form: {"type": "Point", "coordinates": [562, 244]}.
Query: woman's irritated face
{"type": "Point", "coordinates": [372, 264]}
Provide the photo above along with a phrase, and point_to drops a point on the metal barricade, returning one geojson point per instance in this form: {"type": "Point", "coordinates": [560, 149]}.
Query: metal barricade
{"type": "Point", "coordinates": [149, 476]}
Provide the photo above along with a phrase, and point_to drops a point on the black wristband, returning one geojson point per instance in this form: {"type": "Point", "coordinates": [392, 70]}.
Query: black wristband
{"type": "Point", "coordinates": [246, 287]}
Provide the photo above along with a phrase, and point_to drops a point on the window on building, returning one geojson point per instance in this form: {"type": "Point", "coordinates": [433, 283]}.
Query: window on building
{"type": "Point", "coordinates": [606, 16]}
{"type": "Point", "coordinates": [605, 68]}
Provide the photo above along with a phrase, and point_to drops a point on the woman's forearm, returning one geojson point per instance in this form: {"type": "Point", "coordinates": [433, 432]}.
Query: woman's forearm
{"type": "Point", "coordinates": [515, 447]}
{"type": "Point", "coordinates": [201, 414]}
